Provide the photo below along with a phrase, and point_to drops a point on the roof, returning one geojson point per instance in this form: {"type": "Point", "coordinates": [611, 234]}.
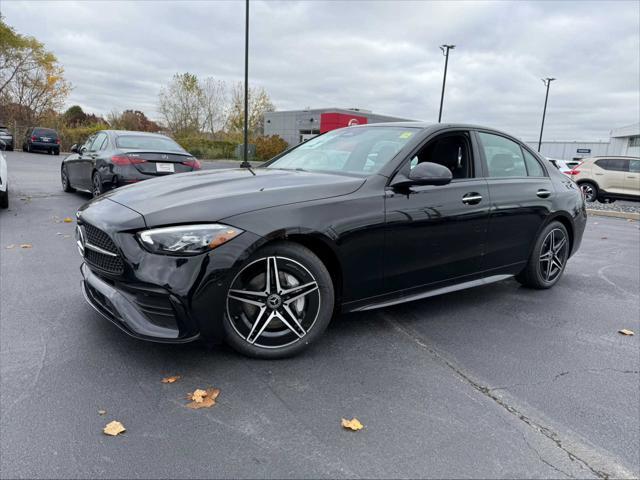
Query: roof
{"type": "Point", "coordinates": [626, 131]}
{"type": "Point", "coordinates": [118, 133]}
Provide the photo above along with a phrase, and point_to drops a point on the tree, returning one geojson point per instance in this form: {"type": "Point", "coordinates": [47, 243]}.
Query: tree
{"type": "Point", "coordinates": [214, 104]}
{"type": "Point", "coordinates": [132, 120]}
{"type": "Point", "coordinates": [74, 116]}
{"type": "Point", "coordinates": [180, 104]}
{"type": "Point", "coordinates": [259, 104]}
{"type": "Point", "coordinates": [30, 76]}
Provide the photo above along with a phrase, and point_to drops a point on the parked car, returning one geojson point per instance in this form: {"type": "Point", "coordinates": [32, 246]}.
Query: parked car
{"type": "Point", "coordinates": [263, 258]}
{"type": "Point", "coordinates": [41, 139]}
{"type": "Point", "coordinates": [7, 138]}
{"type": "Point", "coordinates": [607, 179]}
{"type": "Point", "coordinates": [565, 166]}
{"type": "Point", "coordinates": [112, 158]}
{"type": "Point", "coordinates": [4, 177]}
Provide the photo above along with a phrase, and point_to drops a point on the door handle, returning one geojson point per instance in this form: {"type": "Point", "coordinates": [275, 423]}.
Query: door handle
{"type": "Point", "coordinates": [472, 198]}
{"type": "Point", "coordinates": [542, 193]}
{"type": "Point", "coordinates": [632, 176]}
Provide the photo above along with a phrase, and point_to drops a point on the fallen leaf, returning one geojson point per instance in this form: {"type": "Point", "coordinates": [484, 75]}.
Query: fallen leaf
{"type": "Point", "coordinates": [102, 412]}
{"type": "Point", "coordinates": [353, 424]}
{"type": "Point", "coordinates": [203, 400]}
{"type": "Point", "coordinates": [624, 331]}
{"type": "Point", "coordinates": [113, 428]}
{"type": "Point", "coordinates": [9, 247]}
{"type": "Point", "coordinates": [26, 245]}
{"type": "Point", "coordinates": [198, 395]}
{"type": "Point", "coordinates": [604, 238]}
{"type": "Point", "coordinates": [171, 379]}
{"type": "Point", "coordinates": [68, 220]}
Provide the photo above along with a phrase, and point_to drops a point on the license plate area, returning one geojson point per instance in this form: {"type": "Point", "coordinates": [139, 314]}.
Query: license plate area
{"type": "Point", "coordinates": [165, 167]}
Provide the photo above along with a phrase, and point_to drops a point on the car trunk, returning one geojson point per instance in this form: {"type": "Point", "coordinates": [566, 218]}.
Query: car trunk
{"type": "Point", "coordinates": [161, 163]}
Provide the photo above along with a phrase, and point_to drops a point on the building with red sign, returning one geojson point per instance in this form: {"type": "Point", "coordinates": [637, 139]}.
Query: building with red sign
{"type": "Point", "coordinates": [296, 126]}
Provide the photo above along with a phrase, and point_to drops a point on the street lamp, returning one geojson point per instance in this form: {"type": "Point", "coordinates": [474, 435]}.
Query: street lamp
{"type": "Point", "coordinates": [445, 51]}
{"type": "Point", "coordinates": [547, 82]}
{"type": "Point", "coordinates": [245, 134]}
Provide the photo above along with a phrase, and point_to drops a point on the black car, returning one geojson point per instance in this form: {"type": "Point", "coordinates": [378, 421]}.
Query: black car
{"type": "Point", "coordinates": [41, 139]}
{"type": "Point", "coordinates": [355, 219]}
{"type": "Point", "coordinates": [112, 158]}
{"type": "Point", "coordinates": [6, 137]}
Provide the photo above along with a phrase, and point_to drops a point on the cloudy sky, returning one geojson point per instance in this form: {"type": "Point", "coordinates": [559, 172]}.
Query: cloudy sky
{"type": "Point", "coordinates": [381, 56]}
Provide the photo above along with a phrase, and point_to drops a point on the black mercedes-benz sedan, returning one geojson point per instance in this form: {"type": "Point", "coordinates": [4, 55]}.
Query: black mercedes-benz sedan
{"type": "Point", "coordinates": [355, 219]}
{"type": "Point", "coordinates": [112, 158]}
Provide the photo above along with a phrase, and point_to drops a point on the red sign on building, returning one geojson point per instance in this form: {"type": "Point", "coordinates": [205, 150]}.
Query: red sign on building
{"type": "Point", "coordinates": [331, 121]}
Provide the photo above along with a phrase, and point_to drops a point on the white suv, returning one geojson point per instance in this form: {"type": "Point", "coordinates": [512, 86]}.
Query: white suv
{"type": "Point", "coordinates": [608, 178]}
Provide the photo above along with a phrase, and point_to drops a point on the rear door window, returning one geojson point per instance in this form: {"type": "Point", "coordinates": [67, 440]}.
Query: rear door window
{"type": "Point", "coordinates": [534, 169]}
{"type": "Point", "coordinates": [504, 157]}
{"type": "Point", "coordinates": [618, 165]}
{"type": "Point", "coordinates": [634, 166]}
{"type": "Point", "coordinates": [45, 132]}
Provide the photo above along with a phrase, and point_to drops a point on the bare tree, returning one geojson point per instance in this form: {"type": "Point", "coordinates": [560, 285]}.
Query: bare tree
{"type": "Point", "coordinates": [259, 104]}
{"type": "Point", "coordinates": [180, 104]}
{"type": "Point", "coordinates": [214, 104]}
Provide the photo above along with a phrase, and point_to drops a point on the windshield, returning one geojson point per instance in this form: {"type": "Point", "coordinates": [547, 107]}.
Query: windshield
{"type": "Point", "coordinates": [147, 142]}
{"type": "Point", "coordinates": [43, 132]}
{"type": "Point", "coordinates": [362, 150]}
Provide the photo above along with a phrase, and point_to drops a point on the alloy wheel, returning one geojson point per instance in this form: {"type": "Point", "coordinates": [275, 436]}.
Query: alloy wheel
{"type": "Point", "coordinates": [273, 302]}
{"type": "Point", "coordinates": [588, 191]}
{"type": "Point", "coordinates": [65, 179]}
{"type": "Point", "coordinates": [97, 190]}
{"type": "Point", "coordinates": [553, 254]}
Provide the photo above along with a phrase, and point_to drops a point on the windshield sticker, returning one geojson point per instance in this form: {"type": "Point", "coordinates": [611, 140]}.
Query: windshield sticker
{"type": "Point", "coordinates": [406, 134]}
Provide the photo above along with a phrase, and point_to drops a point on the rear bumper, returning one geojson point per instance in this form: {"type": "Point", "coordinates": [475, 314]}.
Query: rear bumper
{"type": "Point", "coordinates": [138, 319]}
{"type": "Point", "coordinates": [44, 146]}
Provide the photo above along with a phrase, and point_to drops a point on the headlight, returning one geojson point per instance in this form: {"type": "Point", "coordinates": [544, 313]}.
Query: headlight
{"type": "Point", "coordinates": [187, 239]}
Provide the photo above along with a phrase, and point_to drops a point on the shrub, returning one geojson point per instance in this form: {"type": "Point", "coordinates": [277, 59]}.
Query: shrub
{"type": "Point", "coordinates": [269, 146]}
{"type": "Point", "coordinates": [205, 148]}
{"type": "Point", "coordinates": [77, 135]}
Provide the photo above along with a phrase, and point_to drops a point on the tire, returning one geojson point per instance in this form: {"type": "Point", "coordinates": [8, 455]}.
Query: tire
{"type": "Point", "coordinates": [282, 322]}
{"type": "Point", "coordinates": [64, 179]}
{"type": "Point", "coordinates": [28, 148]}
{"type": "Point", "coordinates": [589, 190]}
{"type": "Point", "coordinates": [56, 152]}
{"type": "Point", "coordinates": [548, 258]}
{"type": "Point", "coordinates": [96, 189]}
{"type": "Point", "coordinates": [4, 199]}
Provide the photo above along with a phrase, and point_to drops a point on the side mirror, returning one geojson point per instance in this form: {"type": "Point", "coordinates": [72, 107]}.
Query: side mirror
{"type": "Point", "coordinates": [425, 173]}
{"type": "Point", "coordinates": [74, 148]}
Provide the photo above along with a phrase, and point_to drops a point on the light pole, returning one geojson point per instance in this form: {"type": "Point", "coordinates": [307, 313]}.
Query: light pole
{"type": "Point", "coordinates": [547, 81]}
{"type": "Point", "coordinates": [445, 51]}
{"type": "Point", "coordinates": [245, 132]}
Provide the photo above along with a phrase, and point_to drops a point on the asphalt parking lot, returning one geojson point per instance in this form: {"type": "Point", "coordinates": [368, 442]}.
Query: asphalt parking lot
{"type": "Point", "coordinates": [498, 381]}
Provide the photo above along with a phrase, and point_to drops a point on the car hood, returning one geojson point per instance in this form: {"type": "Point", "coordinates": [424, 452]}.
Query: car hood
{"type": "Point", "coordinates": [212, 195]}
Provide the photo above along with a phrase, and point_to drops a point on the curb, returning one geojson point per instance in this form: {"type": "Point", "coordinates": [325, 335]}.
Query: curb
{"type": "Point", "coordinates": [611, 213]}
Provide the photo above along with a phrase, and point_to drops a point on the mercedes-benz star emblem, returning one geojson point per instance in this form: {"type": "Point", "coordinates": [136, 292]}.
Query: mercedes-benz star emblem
{"type": "Point", "coordinates": [274, 301]}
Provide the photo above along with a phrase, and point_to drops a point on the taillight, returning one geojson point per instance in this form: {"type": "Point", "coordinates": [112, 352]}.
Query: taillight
{"type": "Point", "coordinates": [574, 170]}
{"type": "Point", "coordinates": [58, 141]}
{"type": "Point", "coordinates": [33, 138]}
{"type": "Point", "coordinates": [193, 163]}
{"type": "Point", "coordinates": [124, 160]}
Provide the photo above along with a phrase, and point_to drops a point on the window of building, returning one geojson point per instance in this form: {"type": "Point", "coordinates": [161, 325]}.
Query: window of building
{"type": "Point", "coordinates": [504, 157]}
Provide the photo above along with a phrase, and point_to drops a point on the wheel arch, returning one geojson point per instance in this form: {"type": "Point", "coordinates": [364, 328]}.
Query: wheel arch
{"type": "Point", "coordinates": [322, 247]}
{"type": "Point", "coordinates": [566, 221]}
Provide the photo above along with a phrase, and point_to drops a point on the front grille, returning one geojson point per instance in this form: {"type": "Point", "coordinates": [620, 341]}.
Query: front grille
{"type": "Point", "coordinates": [97, 237]}
{"type": "Point", "coordinates": [100, 239]}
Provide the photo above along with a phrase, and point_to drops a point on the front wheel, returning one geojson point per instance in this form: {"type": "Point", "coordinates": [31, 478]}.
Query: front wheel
{"type": "Point", "coordinates": [548, 258]}
{"type": "Point", "coordinates": [280, 301]}
{"type": "Point", "coordinates": [64, 179]}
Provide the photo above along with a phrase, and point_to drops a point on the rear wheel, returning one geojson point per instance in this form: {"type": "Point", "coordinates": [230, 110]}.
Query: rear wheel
{"type": "Point", "coordinates": [280, 301]}
{"type": "Point", "coordinates": [589, 190]}
{"type": "Point", "coordinates": [64, 179]}
{"type": "Point", "coordinates": [548, 258]}
{"type": "Point", "coordinates": [96, 189]}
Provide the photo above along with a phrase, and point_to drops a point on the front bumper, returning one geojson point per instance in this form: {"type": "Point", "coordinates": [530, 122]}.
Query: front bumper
{"type": "Point", "coordinates": [162, 298]}
{"type": "Point", "coordinates": [123, 309]}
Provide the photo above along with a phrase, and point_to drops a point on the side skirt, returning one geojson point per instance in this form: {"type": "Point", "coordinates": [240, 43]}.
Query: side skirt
{"type": "Point", "coordinates": [430, 293]}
